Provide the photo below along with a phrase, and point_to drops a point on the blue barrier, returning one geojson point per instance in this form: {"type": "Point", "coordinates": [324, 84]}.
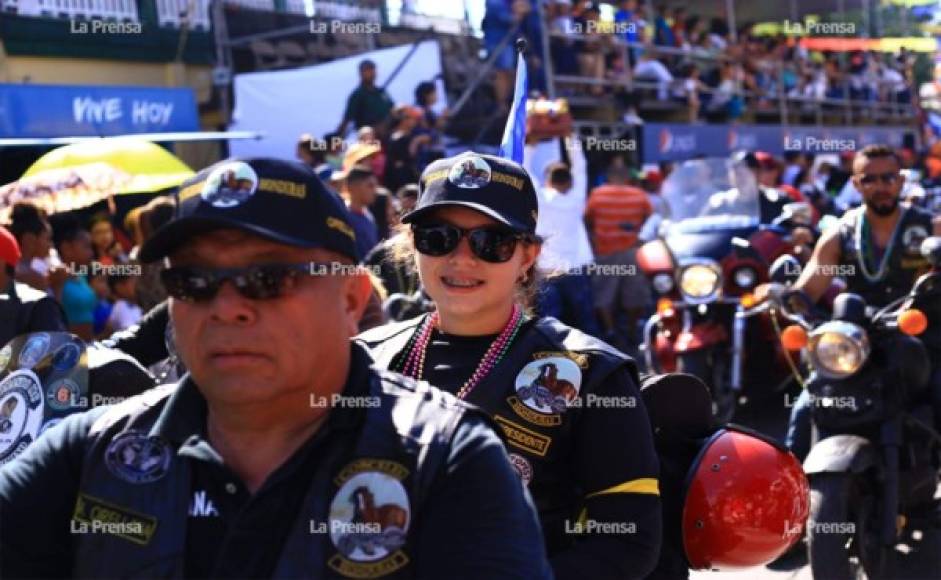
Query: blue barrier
{"type": "Point", "coordinates": [676, 142]}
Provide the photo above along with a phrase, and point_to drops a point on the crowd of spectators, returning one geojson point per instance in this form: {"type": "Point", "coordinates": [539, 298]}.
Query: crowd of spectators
{"type": "Point", "coordinates": [682, 57]}
{"type": "Point", "coordinates": [87, 267]}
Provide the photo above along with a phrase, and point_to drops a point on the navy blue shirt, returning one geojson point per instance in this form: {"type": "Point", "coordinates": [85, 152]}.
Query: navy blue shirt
{"type": "Point", "coordinates": [477, 522]}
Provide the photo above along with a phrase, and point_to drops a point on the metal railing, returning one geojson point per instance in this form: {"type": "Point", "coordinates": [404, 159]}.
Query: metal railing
{"type": "Point", "coordinates": [120, 10]}
{"type": "Point", "coordinates": [260, 5]}
{"type": "Point", "coordinates": [193, 14]}
{"type": "Point", "coordinates": [788, 106]}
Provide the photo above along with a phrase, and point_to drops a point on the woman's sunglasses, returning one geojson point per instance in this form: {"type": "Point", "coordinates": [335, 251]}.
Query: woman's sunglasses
{"type": "Point", "coordinates": [260, 282]}
{"type": "Point", "coordinates": [489, 243]}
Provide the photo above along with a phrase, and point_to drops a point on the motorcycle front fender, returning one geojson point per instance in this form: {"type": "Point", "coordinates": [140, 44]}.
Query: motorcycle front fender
{"type": "Point", "coordinates": [841, 454]}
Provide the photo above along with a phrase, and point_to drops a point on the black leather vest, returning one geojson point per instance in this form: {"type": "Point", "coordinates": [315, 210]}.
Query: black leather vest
{"type": "Point", "coordinates": [903, 264]}
{"type": "Point", "coordinates": [401, 448]}
{"type": "Point", "coordinates": [547, 360]}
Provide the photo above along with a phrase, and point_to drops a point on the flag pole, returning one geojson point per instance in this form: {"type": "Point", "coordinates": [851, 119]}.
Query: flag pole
{"type": "Point", "coordinates": [514, 134]}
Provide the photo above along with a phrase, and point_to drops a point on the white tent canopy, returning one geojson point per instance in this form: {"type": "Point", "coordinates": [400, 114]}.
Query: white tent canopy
{"type": "Point", "coordinates": [281, 105]}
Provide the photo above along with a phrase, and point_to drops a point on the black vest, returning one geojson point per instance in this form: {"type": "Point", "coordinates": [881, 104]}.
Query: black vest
{"type": "Point", "coordinates": [904, 262]}
{"type": "Point", "coordinates": [540, 439]}
{"type": "Point", "coordinates": [402, 446]}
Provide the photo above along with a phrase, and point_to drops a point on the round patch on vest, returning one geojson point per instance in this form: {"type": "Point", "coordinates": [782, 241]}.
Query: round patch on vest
{"type": "Point", "coordinates": [369, 516]}
{"type": "Point", "coordinates": [912, 238]}
{"type": "Point", "coordinates": [6, 353]}
{"type": "Point", "coordinates": [136, 457]}
{"type": "Point", "coordinates": [63, 394]}
{"type": "Point", "coordinates": [66, 356]}
{"type": "Point", "coordinates": [21, 412]}
{"type": "Point", "coordinates": [230, 185]}
{"type": "Point", "coordinates": [549, 385]}
{"type": "Point", "coordinates": [470, 172]}
{"type": "Point", "coordinates": [522, 466]}
{"type": "Point", "coordinates": [35, 348]}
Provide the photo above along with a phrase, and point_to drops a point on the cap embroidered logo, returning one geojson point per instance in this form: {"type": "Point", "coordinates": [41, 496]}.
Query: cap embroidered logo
{"type": "Point", "coordinates": [470, 173]}
{"type": "Point", "coordinates": [230, 185]}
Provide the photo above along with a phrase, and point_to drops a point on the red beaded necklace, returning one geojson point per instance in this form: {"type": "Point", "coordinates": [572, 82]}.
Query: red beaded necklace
{"type": "Point", "coordinates": [415, 359]}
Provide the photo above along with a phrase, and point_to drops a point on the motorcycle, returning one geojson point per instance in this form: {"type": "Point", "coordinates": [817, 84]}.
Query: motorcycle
{"type": "Point", "coordinates": [46, 376]}
{"type": "Point", "coordinates": [877, 469]}
{"type": "Point", "coordinates": [710, 255]}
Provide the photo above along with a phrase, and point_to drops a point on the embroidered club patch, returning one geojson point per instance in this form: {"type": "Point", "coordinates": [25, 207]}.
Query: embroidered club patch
{"type": "Point", "coordinates": [21, 412]}
{"type": "Point", "coordinates": [230, 185]}
{"type": "Point", "coordinates": [549, 385]}
{"type": "Point", "coordinates": [66, 356]}
{"type": "Point", "coordinates": [34, 350]}
{"type": "Point", "coordinates": [138, 458]}
{"type": "Point", "coordinates": [6, 353]}
{"type": "Point", "coordinates": [96, 516]}
{"type": "Point", "coordinates": [913, 237]}
{"type": "Point", "coordinates": [63, 394]}
{"type": "Point", "coordinates": [470, 172]}
{"type": "Point", "coordinates": [369, 519]}
{"type": "Point", "coordinates": [522, 467]}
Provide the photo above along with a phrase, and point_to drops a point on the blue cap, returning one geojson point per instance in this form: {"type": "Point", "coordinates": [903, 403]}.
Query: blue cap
{"type": "Point", "coordinates": [283, 201]}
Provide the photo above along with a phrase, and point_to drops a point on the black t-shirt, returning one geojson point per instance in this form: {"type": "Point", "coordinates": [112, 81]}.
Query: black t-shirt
{"type": "Point", "coordinates": [596, 462]}
{"type": "Point", "coordinates": [451, 359]}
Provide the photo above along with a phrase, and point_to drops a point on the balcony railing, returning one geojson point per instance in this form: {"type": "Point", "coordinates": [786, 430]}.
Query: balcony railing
{"type": "Point", "coordinates": [121, 10]}
{"type": "Point", "coordinates": [180, 13]}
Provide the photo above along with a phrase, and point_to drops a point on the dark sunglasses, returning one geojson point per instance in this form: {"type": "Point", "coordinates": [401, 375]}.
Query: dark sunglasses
{"type": "Point", "coordinates": [886, 178]}
{"type": "Point", "coordinates": [260, 282]}
{"type": "Point", "coordinates": [489, 243]}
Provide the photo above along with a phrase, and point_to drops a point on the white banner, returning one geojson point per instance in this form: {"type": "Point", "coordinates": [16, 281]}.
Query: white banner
{"type": "Point", "coordinates": [284, 104]}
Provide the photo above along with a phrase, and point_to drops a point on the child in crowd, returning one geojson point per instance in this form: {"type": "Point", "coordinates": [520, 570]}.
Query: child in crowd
{"type": "Point", "coordinates": [125, 312]}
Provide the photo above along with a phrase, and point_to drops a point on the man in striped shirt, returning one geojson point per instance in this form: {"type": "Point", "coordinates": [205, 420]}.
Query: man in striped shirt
{"type": "Point", "coordinates": [614, 215]}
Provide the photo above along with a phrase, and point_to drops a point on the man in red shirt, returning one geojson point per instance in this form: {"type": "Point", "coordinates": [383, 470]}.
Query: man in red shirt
{"type": "Point", "coordinates": [614, 215]}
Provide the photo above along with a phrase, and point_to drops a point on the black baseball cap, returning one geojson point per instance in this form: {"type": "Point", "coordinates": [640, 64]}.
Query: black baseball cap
{"type": "Point", "coordinates": [491, 185]}
{"type": "Point", "coordinates": [283, 201]}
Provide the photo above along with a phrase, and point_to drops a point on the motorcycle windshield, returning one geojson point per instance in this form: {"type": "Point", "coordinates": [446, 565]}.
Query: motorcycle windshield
{"type": "Point", "coordinates": [709, 194]}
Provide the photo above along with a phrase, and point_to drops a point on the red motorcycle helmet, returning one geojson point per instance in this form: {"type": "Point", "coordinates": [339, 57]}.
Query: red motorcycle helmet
{"type": "Point", "coordinates": [747, 500]}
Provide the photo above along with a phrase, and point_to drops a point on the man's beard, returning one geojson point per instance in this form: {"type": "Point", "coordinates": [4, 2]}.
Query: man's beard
{"type": "Point", "coordinates": [883, 210]}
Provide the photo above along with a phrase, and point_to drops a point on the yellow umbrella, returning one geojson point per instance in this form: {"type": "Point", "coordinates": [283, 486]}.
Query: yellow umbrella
{"type": "Point", "coordinates": [81, 174]}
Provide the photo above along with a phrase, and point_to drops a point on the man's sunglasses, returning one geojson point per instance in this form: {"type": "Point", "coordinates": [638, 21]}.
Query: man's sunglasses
{"type": "Point", "coordinates": [886, 178]}
{"type": "Point", "coordinates": [260, 282]}
{"type": "Point", "coordinates": [489, 243]}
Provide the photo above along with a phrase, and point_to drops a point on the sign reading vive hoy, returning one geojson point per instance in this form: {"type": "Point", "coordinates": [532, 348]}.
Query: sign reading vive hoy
{"type": "Point", "coordinates": [74, 110]}
{"type": "Point", "coordinates": [678, 142]}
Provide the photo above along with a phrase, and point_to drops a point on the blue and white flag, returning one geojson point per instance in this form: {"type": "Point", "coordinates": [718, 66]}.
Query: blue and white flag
{"type": "Point", "coordinates": [514, 135]}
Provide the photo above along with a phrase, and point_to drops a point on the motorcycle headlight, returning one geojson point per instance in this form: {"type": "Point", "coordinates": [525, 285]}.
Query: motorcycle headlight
{"type": "Point", "coordinates": [662, 283]}
{"type": "Point", "coordinates": [745, 277]}
{"type": "Point", "coordinates": [838, 349]}
{"type": "Point", "coordinates": [699, 281]}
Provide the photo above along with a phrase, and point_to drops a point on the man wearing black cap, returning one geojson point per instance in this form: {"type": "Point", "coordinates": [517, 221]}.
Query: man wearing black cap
{"type": "Point", "coordinates": [282, 453]}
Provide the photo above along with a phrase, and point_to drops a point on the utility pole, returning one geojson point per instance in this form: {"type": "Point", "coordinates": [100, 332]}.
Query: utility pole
{"type": "Point", "coordinates": [222, 74]}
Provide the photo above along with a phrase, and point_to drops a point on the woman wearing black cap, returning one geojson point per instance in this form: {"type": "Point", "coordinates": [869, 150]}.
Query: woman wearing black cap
{"type": "Point", "coordinates": [576, 428]}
